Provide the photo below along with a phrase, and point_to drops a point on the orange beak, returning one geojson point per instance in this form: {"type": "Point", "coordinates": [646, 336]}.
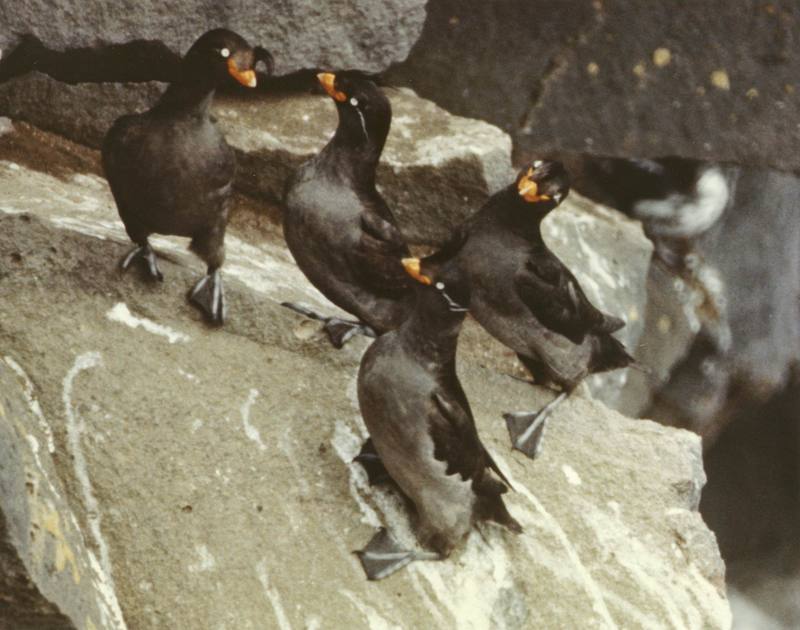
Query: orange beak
{"type": "Point", "coordinates": [528, 189]}
{"type": "Point", "coordinates": [246, 77]}
{"type": "Point", "coordinates": [412, 267]}
{"type": "Point", "coordinates": [328, 79]}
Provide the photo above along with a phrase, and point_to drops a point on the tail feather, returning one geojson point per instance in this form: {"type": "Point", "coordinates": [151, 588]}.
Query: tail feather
{"type": "Point", "coordinates": [610, 354]}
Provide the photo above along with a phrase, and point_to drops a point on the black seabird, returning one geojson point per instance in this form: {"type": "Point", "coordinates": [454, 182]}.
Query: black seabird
{"type": "Point", "coordinates": [524, 296]}
{"type": "Point", "coordinates": [422, 429]}
{"type": "Point", "coordinates": [171, 170]}
{"type": "Point", "coordinates": [339, 229]}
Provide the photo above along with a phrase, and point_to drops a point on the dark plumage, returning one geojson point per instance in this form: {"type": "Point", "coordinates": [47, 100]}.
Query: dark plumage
{"type": "Point", "coordinates": [338, 227]}
{"type": "Point", "coordinates": [170, 169]}
{"type": "Point", "coordinates": [422, 428]}
{"type": "Point", "coordinates": [523, 295]}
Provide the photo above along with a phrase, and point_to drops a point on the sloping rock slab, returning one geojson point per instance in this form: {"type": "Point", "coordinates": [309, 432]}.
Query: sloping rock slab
{"type": "Point", "coordinates": [214, 468]}
{"type": "Point", "coordinates": [300, 34]}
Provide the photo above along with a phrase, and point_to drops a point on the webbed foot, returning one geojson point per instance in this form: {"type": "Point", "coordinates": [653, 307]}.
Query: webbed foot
{"type": "Point", "coordinates": [527, 428]}
{"type": "Point", "coordinates": [146, 253]}
{"type": "Point", "coordinates": [368, 457]}
{"type": "Point", "coordinates": [339, 330]}
{"type": "Point", "coordinates": [384, 556]}
{"type": "Point", "coordinates": [209, 296]}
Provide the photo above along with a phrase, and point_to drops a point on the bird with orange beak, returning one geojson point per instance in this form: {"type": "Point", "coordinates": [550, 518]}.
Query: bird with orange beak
{"type": "Point", "coordinates": [171, 170]}
{"type": "Point", "coordinates": [423, 432]}
{"type": "Point", "coordinates": [499, 267]}
{"type": "Point", "coordinates": [339, 228]}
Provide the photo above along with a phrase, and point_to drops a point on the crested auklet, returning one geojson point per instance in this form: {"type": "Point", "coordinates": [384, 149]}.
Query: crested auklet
{"type": "Point", "coordinates": [339, 229]}
{"type": "Point", "coordinates": [171, 170]}
{"type": "Point", "coordinates": [524, 296]}
{"type": "Point", "coordinates": [422, 428]}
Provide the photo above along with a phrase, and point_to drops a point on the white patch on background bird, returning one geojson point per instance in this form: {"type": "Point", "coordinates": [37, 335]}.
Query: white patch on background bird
{"type": "Point", "coordinates": [684, 215]}
{"type": "Point", "coordinates": [537, 164]}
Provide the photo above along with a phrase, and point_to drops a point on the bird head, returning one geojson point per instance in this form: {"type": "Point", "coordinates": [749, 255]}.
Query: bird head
{"type": "Point", "coordinates": [220, 54]}
{"type": "Point", "coordinates": [543, 181]}
{"type": "Point", "coordinates": [365, 113]}
{"type": "Point", "coordinates": [441, 277]}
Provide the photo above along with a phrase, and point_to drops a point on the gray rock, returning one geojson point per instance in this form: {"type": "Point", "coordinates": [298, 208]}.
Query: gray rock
{"type": "Point", "coordinates": [219, 461]}
{"type": "Point", "coordinates": [300, 34]}
{"type": "Point", "coordinates": [694, 80]}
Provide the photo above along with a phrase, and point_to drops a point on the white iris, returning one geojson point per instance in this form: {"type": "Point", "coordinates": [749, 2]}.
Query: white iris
{"type": "Point", "coordinates": [225, 53]}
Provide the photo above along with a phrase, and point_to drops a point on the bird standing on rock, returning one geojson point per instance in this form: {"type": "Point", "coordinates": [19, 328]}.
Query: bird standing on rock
{"type": "Point", "coordinates": [171, 170]}
{"type": "Point", "coordinates": [339, 229]}
{"type": "Point", "coordinates": [524, 296]}
{"type": "Point", "coordinates": [422, 428]}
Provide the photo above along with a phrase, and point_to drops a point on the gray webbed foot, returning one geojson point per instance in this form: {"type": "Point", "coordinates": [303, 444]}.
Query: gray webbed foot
{"type": "Point", "coordinates": [527, 428]}
{"type": "Point", "coordinates": [384, 556]}
{"type": "Point", "coordinates": [368, 457]}
{"type": "Point", "coordinates": [146, 253]}
{"type": "Point", "coordinates": [339, 330]}
{"type": "Point", "coordinates": [209, 296]}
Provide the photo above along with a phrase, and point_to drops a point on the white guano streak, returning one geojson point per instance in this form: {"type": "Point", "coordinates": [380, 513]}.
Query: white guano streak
{"type": "Point", "coordinates": [121, 314]}
{"type": "Point", "coordinates": [75, 427]}
{"type": "Point", "coordinates": [273, 596]}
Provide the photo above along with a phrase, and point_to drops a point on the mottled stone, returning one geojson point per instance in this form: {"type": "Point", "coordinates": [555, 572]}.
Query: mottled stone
{"type": "Point", "coordinates": [714, 80]}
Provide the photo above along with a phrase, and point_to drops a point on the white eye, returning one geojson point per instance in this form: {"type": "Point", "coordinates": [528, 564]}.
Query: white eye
{"type": "Point", "coordinates": [440, 286]}
{"type": "Point", "coordinates": [557, 197]}
{"type": "Point", "coordinates": [225, 53]}
{"type": "Point", "coordinates": [537, 164]}
{"type": "Point", "coordinates": [354, 102]}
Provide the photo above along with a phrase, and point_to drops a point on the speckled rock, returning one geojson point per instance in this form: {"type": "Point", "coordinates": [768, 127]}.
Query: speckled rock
{"type": "Point", "coordinates": [713, 80]}
{"type": "Point", "coordinates": [210, 469]}
{"type": "Point", "coordinates": [300, 34]}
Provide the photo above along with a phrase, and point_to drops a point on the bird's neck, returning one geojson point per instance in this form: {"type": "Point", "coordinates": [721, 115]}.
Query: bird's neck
{"type": "Point", "coordinates": [356, 160]}
{"type": "Point", "coordinates": [188, 98]}
{"type": "Point", "coordinates": [431, 331]}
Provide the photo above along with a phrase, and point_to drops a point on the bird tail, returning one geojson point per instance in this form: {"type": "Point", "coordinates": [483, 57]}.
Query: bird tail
{"type": "Point", "coordinates": [490, 505]}
{"type": "Point", "coordinates": [610, 354]}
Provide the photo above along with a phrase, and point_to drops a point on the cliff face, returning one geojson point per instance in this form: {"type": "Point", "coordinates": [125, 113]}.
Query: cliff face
{"type": "Point", "coordinates": [156, 473]}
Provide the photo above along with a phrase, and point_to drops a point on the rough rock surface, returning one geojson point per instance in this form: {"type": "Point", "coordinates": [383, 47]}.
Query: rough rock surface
{"type": "Point", "coordinates": [300, 34]}
{"type": "Point", "coordinates": [711, 80]}
{"type": "Point", "coordinates": [209, 472]}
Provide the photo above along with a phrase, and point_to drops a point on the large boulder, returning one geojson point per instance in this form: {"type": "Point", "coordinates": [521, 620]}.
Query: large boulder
{"type": "Point", "coordinates": [711, 80]}
{"type": "Point", "coordinates": [209, 470]}
{"type": "Point", "coordinates": [300, 34]}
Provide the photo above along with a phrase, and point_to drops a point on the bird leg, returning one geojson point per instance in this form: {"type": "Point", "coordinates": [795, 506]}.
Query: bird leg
{"type": "Point", "coordinates": [146, 253]}
{"type": "Point", "coordinates": [368, 457]}
{"type": "Point", "coordinates": [383, 556]}
{"type": "Point", "coordinates": [209, 296]}
{"type": "Point", "coordinates": [339, 330]}
{"type": "Point", "coordinates": [527, 428]}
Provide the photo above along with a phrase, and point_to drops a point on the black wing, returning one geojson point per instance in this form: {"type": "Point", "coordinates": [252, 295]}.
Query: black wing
{"type": "Point", "coordinates": [377, 258]}
{"type": "Point", "coordinates": [456, 441]}
{"type": "Point", "coordinates": [557, 300]}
